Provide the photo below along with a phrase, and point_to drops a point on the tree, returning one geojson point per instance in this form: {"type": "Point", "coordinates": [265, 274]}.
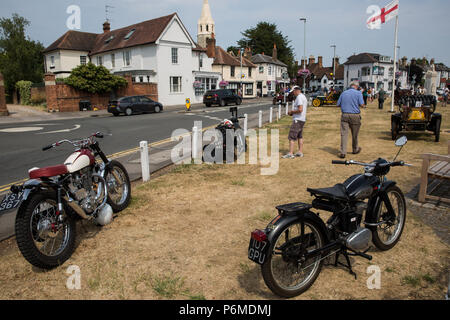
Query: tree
{"type": "Point", "coordinates": [261, 40]}
{"type": "Point", "coordinates": [20, 57]}
{"type": "Point", "coordinates": [94, 79]}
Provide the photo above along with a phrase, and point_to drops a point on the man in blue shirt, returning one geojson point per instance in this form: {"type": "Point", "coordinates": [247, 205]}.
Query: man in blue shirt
{"type": "Point", "coordinates": [350, 103]}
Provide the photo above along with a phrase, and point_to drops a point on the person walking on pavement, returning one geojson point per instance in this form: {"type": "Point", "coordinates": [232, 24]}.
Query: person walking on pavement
{"type": "Point", "coordinates": [299, 119]}
{"type": "Point", "coordinates": [350, 102]}
{"type": "Point", "coordinates": [381, 98]}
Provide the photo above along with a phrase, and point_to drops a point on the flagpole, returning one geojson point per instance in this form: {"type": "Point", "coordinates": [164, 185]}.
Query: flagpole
{"type": "Point", "coordinates": [395, 64]}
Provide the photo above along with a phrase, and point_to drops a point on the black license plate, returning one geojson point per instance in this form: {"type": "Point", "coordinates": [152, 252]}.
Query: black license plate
{"type": "Point", "coordinates": [11, 201]}
{"type": "Point", "coordinates": [257, 251]}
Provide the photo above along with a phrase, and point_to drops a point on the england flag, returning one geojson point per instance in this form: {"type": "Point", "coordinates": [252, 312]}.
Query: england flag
{"type": "Point", "coordinates": [384, 15]}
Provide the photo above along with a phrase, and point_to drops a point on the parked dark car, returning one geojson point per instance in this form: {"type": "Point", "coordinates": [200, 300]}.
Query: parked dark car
{"type": "Point", "coordinates": [221, 97]}
{"type": "Point", "coordinates": [134, 104]}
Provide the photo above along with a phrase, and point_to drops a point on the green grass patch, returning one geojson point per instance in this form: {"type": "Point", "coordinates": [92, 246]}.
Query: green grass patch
{"type": "Point", "coordinates": [168, 286]}
{"type": "Point", "coordinates": [411, 280]}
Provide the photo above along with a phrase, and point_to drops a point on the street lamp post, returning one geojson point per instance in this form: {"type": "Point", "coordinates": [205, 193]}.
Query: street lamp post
{"type": "Point", "coordinates": [334, 65]}
{"type": "Point", "coordinates": [304, 53]}
{"type": "Point", "coordinates": [241, 89]}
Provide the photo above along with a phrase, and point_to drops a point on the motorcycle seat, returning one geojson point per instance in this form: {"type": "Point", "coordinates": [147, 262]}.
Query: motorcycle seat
{"type": "Point", "coordinates": [48, 172]}
{"type": "Point", "coordinates": [339, 192]}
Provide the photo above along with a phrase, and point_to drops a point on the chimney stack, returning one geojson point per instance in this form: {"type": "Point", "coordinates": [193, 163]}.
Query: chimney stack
{"type": "Point", "coordinates": [248, 53]}
{"type": "Point", "coordinates": [303, 64]}
{"type": "Point", "coordinates": [312, 60]}
{"type": "Point", "coordinates": [336, 63]}
{"type": "Point", "coordinates": [211, 46]}
{"type": "Point", "coordinates": [106, 27]}
{"type": "Point", "coordinates": [275, 52]}
{"type": "Point", "coordinates": [320, 61]}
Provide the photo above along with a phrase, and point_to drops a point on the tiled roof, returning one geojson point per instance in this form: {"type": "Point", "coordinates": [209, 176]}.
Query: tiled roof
{"type": "Point", "coordinates": [144, 33]}
{"type": "Point", "coordinates": [363, 58]}
{"type": "Point", "coordinates": [74, 40]}
{"type": "Point", "coordinates": [261, 58]}
{"type": "Point", "coordinates": [224, 58]}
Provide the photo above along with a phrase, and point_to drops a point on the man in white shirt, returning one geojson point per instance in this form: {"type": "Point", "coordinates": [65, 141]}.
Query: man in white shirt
{"type": "Point", "coordinates": [299, 119]}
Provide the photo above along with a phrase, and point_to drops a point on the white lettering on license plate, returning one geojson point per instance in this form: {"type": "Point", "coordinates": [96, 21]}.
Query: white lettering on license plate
{"type": "Point", "coordinates": [256, 251]}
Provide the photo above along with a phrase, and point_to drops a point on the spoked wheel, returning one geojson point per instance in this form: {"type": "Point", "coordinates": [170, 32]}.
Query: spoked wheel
{"type": "Point", "coordinates": [316, 103]}
{"type": "Point", "coordinates": [119, 187]}
{"type": "Point", "coordinates": [437, 131]}
{"type": "Point", "coordinates": [394, 130]}
{"type": "Point", "coordinates": [286, 272]}
{"type": "Point", "coordinates": [388, 232]}
{"type": "Point", "coordinates": [45, 236]}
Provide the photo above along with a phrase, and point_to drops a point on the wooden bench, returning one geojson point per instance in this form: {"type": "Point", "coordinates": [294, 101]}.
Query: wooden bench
{"type": "Point", "coordinates": [440, 169]}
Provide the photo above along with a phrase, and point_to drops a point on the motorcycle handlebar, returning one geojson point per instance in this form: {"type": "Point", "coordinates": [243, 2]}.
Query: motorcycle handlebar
{"type": "Point", "coordinates": [339, 162]}
{"type": "Point", "coordinates": [387, 164]}
{"type": "Point", "coordinates": [47, 147]}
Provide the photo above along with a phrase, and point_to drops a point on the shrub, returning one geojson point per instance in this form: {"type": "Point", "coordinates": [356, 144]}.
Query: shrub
{"type": "Point", "coordinates": [94, 79]}
{"type": "Point", "coordinates": [24, 88]}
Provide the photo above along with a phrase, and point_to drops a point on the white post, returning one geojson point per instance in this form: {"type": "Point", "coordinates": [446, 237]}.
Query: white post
{"type": "Point", "coordinates": [395, 63]}
{"type": "Point", "coordinates": [271, 115]}
{"type": "Point", "coordinates": [287, 108]}
{"type": "Point", "coordinates": [260, 119]}
{"type": "Point", "coordinates": [194, 143]}
{"type": "Point", "coordinates": [245, 124]}
{"type": "Point", "coordinates": [279, 111]}
{"type": "Point", "coordinates": [145, 164]}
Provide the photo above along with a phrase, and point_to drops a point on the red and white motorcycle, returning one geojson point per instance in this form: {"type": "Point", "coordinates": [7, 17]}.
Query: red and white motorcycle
{"type": "Point", "coordinates": [55, 197]}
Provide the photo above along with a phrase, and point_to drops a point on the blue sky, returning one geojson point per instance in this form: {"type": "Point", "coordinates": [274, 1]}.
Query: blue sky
{"type": "Point", "coordinates": [421, 32]}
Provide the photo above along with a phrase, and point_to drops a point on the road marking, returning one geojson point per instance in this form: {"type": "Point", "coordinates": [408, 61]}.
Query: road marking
{"type": "Point", "coordinates": [22, 129]}
{"type": "Point", "coordinates": [77, 126]}
{"type": "Point", "coordinates": [112, 156]}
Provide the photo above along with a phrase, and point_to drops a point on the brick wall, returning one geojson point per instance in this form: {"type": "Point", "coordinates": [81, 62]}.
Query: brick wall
{"type": "Point", "coordinates": [3, 109]}
{"type": "Point", "coordinates": [63, 98]}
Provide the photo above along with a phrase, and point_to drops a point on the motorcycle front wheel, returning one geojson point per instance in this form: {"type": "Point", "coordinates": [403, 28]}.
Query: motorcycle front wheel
{"type": "Point", "coordinates": [118, 185]}
{"type": "Point", "coordinates": [283, 273]}
{"type": "Point", "coordinates": [386, 235]}
{"type": "Point", "coordinates": [45, 236]}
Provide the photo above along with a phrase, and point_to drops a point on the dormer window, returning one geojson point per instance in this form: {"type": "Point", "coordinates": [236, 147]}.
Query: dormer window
{"type": "Point", "coordinates": [109, 39]}
{"type": "Point", "coordinates": [130, 34]}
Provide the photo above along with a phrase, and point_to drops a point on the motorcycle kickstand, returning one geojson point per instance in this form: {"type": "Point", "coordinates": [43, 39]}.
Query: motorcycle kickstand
{"type": "Point", "coordinates": [348, 265]}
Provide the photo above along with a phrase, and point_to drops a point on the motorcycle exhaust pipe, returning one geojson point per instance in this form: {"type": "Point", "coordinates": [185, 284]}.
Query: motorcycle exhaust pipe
{"type": "Point", "coordinates": [76, 207]}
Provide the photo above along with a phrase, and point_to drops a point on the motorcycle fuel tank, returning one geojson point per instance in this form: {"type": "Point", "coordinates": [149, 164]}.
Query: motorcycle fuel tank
{"type": "Point", "coordinates": [79, 160]}
{"type": "Point", "coordinates": [360, 186]}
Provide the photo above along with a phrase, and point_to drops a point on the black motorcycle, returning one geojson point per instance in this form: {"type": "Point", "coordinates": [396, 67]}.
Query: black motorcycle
{"type": "Point", "coordinates": [366, 208]}
{"type": "Point", "coordinates": [229, 142]}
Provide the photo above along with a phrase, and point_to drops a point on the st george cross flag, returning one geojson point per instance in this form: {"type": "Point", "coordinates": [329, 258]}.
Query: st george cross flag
{"type": "Point", "coordinates": [387, 13]}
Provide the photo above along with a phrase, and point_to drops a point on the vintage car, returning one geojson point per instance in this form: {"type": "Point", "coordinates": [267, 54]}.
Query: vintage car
{"type": "Point", "coordinates": [280, 98]}
{"type": "Point", "coordinates": [330, 99]}
{"type": "Point", "coordinates": [416, 113]}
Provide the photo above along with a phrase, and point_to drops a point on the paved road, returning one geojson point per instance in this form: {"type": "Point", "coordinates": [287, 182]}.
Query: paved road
{"type": "Point", "coordinates": [21, 144]}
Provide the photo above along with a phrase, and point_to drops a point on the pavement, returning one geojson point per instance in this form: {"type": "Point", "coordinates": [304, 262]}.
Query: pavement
{"type": "Point", "coordinates": [23, 114]}
{"type": "Point", "coordinates": [22, 150]}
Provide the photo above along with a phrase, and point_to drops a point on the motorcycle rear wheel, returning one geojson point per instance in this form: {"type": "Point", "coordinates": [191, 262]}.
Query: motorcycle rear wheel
{"type": "Point", "coordinates": [386, 235]}
{"type": "Point", "coordinates": [282, 275]}
{"type": "Point", "coordinates": [43, 241]}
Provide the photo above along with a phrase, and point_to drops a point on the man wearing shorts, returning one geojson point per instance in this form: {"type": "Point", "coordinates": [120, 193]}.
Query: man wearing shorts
{"type": "Point", "coordinates": [299, 118]}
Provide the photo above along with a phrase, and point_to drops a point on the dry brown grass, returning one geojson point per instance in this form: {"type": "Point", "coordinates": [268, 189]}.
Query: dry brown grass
{"type": "Point", "coordinates": [186, 234]}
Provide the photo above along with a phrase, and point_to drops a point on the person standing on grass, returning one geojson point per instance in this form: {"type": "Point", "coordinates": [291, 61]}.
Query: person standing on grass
{"type": "Point", "coordinates": [445, 97]}
{"type": "Point", "coordinates": [299, 119]}
{"type": "Point", "coordinates": [350, 102]}
{"type": "Point", "coordinates": [381, 98]}
{"type": "Point", "coordinates": [365, 96]}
